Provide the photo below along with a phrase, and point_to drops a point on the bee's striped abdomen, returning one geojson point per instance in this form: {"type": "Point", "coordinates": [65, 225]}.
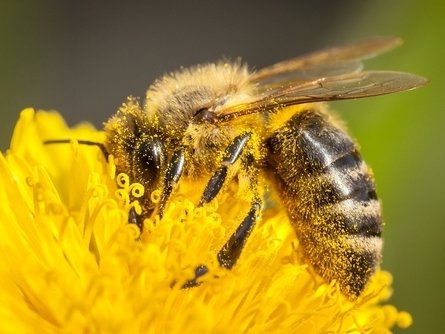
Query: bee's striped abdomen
{"type": "Point", "coordinates": [330, 197]}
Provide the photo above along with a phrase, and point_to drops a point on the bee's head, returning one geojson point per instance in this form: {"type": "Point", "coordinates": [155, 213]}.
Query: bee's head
{"type": "Point", "coordinates": [138, 146]}
{"type": "Point", "coordinates": [180, 110]}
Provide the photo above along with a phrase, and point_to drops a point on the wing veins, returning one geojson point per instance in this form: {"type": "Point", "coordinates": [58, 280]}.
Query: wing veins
{"type": "Point", "coordinates": [343, 87]}
{"type": "Point", "coordinates": [332, 57]}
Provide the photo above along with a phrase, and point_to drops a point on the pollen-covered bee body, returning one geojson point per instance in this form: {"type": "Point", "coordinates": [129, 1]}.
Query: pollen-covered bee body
{"type": "Point", "coordinates": [222, 123]}
{"type": "Point", "coordinates": [330, 196]}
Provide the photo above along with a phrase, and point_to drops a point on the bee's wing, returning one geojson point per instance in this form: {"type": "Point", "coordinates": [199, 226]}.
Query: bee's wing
{"type": "Point", "coordinates": [327, 62]}
{"type": "Point", "coordinates": [342, 87]}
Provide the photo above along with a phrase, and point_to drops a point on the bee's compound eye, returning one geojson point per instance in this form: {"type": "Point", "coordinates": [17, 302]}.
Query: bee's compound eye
{"type": "Point", "coordinates": [151, 159]}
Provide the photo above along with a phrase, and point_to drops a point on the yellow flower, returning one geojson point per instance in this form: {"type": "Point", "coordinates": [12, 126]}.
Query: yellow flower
{"type": "Point", "coordinates": [71, 263]}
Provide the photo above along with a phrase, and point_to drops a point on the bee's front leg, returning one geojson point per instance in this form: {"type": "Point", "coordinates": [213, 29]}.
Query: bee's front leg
{"type": "Point", "coordinates": [174, 173]}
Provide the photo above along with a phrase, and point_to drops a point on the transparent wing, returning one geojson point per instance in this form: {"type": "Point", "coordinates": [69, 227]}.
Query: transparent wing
{"type": "Point", "coordinates": [342, 87]}
{"type": "Point", "coordinates": [327, 62]}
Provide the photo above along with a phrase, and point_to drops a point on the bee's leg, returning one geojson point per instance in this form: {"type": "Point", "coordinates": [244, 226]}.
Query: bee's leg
{"type": "Point", "coordinates": [199, 271]}
{"type": "Point", "coordinates": [138, 219]}
{"type": "Point", "coordinates": [174, 172]}
{"type": "Point", "coordinates": [134, 218]}
{"type": "Point", "coordinates": [231, 155]}
{"type": "Point", "coordinates": [231, 251]}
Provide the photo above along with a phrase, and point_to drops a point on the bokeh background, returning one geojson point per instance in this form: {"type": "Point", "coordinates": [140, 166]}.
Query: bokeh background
{"type": "Point", "coordinates": [83, 58]}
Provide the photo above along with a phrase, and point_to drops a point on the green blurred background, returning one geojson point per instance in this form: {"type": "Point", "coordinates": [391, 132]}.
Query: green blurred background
{"type": "Point", "coordinates": [83, 58]}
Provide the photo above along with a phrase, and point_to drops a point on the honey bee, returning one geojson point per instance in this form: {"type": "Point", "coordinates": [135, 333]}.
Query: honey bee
{"type": "Point", "coordinates": [223, 122]}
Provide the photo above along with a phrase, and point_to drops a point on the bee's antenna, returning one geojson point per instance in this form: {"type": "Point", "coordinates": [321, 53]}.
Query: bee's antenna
{"type": "Point", "coordinates": [101, 146]}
